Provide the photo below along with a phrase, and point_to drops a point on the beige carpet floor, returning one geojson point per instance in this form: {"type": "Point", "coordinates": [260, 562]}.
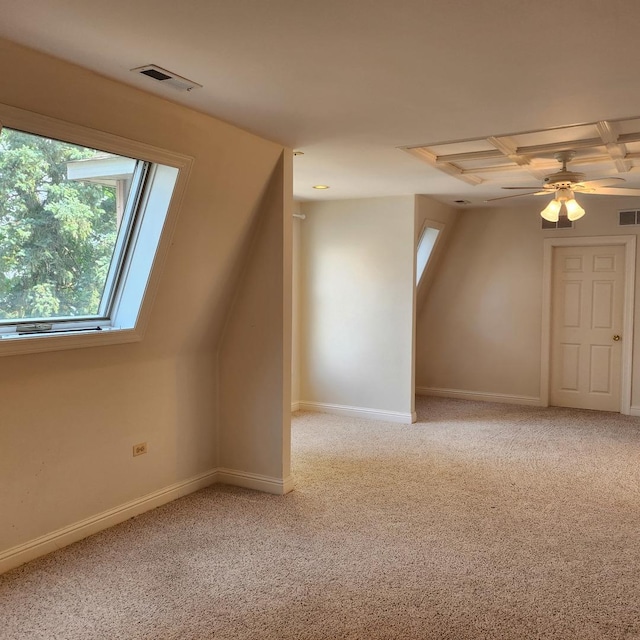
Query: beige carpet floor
{"type": "Point", "coordinates": [480, 521]}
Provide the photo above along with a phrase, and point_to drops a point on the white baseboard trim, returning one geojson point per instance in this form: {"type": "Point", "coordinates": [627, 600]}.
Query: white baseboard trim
{"type": "Point", "coordinates": [634, 411]}
{"type": "Point", "coordinates": [20, 554]}
{"type": "Point", "coordinates": [14, 557]}
{"type": "Point", "coordinates": [358, 412]}
{"type": "Point", "coordinates": [255, 481]}
{"type": "Point", "coordinates": [483, 396]}
{"type": "Point", "coordinates": [295, 406]}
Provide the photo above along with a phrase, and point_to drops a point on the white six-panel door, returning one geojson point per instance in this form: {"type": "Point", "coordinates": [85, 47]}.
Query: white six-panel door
{"type": "Point", "coordinates": [586, 326]}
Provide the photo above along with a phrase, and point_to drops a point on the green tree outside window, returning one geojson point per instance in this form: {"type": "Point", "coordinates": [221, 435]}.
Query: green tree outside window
{"type": "Point", "coordinates": [57, 235]}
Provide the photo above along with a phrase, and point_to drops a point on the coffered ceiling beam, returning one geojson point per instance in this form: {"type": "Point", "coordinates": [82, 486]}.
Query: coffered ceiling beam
{"type": "Point", "coordinates": [615, 149]}
{"type": "Point", "coordinates": [533, 150]}
{"type": "Point", "coordinates": [554, 147]}
{"type": "Point", "coordinates": [452, 170]}
{"type": "Point", "coordinates": [543, 169]}
{"type": "Point", "coordinates": [608, 147]}
{"type": "Point", "coordinates": [492, 169]}
{"type": "Point", "coordinates": [591, 160]}
{"type": "Point", "coordinates": [508, 148]}
{"type": "Point", "coordinates": [629, 137]}
{"type": "Point", "coordinates": [490, 154]}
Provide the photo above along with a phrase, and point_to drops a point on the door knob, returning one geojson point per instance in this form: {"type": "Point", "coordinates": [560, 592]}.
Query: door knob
{"type": "Point", "coordinates": [616, 338]}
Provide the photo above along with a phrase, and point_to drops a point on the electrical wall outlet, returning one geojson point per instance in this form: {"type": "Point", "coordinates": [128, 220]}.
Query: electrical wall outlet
{"type": "Point", "coordinates": [139, 449]}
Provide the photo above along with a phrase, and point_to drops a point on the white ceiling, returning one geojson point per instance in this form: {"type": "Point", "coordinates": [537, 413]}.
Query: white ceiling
{"type": "Point", "coordinates": [349, 82]}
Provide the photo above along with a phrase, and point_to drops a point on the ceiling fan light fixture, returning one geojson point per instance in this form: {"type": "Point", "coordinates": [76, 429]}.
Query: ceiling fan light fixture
{"type": "Point", "coordinates": [574, 210]}
{"type": "Point", "coordinates": [563, 194]}
{"type": "Point", "coordinates": [552, 210]}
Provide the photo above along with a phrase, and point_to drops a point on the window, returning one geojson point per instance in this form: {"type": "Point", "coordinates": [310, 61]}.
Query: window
{"type": "Point", "coordinates": [562, 223]}
{"type": "Point", "coordinates": [66, 214]}
{"type": "Point", "coordinates": [81, 219]}
{"type": "Point", "coordinates": [426, 244]}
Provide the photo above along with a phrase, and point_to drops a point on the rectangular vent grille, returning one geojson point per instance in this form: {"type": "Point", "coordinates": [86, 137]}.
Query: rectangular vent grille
{"type": "Point", "coordinates": [563, 223]}
{"type": "Point", "coordinates": [167, 77]}
{"type": "Point", "coordinates": [628, 217]}
{"type": "Point", "coordinates": [156, 75]}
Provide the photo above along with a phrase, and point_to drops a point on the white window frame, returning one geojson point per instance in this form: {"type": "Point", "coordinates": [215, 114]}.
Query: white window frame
{"type": "Point", "coordinates": [428, 224]}
{"type": "Point", "coordinates": [155, 220]}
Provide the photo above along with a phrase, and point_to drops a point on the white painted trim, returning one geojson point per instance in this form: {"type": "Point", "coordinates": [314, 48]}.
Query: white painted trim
{"type": "Point", "coordinates": [545, 336]}
{"type": "Point", "coordinates": [295, 406]}
{"type": "Point", "coordinates": [62, 342]}
{"type": "Point", "coordinates": [634, 411]}
{"type": "Point", "coordinates": [358, 412]}
{"type": "Point", "coordinates": [482, 396]}
{"type": "Point", "coordinates": [288, 485]}
{"type": "Point", "coordinates": [14, 117]}
{"type": "Point", "coordinates": [20, 554]}
{"type": "Point", "coordinates": [255, 481]}
{"type": "Point", "coordinates": [629, 243]}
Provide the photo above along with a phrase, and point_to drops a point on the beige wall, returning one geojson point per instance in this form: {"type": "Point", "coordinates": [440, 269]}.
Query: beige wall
{"type": "Point", "coordinates": [479, 330]}
{"type": "Point", "coordinates": [68, 419]}
{"type": "Point", "coordinates": [357, 303]}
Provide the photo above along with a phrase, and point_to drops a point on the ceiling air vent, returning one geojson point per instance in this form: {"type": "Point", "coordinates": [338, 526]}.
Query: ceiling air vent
{"type": "Point", "coordinates": [166, 77]}
{"type": "Point", "coordinates": [628, 217]}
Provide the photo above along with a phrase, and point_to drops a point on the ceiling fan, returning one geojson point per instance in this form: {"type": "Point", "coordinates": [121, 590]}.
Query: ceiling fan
{"type": "Point", "coordinates": [562, 184]}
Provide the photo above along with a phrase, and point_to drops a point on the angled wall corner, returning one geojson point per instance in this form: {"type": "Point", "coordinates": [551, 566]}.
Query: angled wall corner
{"type": "Point", "coordinates": [478, 332]}
{"type": "Point", "coordinates": [254, 357]}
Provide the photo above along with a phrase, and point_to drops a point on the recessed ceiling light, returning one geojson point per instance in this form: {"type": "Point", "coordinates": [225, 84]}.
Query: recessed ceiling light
{"type": "Point", "coordinates": [320, 186]}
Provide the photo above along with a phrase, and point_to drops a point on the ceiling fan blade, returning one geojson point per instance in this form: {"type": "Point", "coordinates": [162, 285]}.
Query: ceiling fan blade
{"type": "Point", "coordinates": [617, 191]}
{"type": "Point", "coordinates": [519, 195]}
{"type": "Point", "coordinates": [601, 182]}
{"type": "Point", "coordinates": [529, 188]}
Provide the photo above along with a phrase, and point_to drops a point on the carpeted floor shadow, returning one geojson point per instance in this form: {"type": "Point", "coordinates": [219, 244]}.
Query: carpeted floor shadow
{"type": "Point", "coordinates": [479, 521]}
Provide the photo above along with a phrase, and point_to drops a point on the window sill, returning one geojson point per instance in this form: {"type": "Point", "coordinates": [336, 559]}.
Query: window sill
{"type": "Point", "coordinates": [13, 346]}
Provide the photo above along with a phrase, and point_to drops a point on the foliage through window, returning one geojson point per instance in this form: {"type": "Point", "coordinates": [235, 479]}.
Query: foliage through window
{"type": "Point", "coordinates": [85, 220]}
{"type": "Point", "coordinates": [65, 216]}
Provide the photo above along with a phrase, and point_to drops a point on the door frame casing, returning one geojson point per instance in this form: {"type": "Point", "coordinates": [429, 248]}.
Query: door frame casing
{"type": "Point", "coordinates": [629, 243]}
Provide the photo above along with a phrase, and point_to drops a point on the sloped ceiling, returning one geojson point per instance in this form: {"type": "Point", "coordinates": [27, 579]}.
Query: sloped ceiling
{"type": "Point", "coordinates": [352, 84]}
